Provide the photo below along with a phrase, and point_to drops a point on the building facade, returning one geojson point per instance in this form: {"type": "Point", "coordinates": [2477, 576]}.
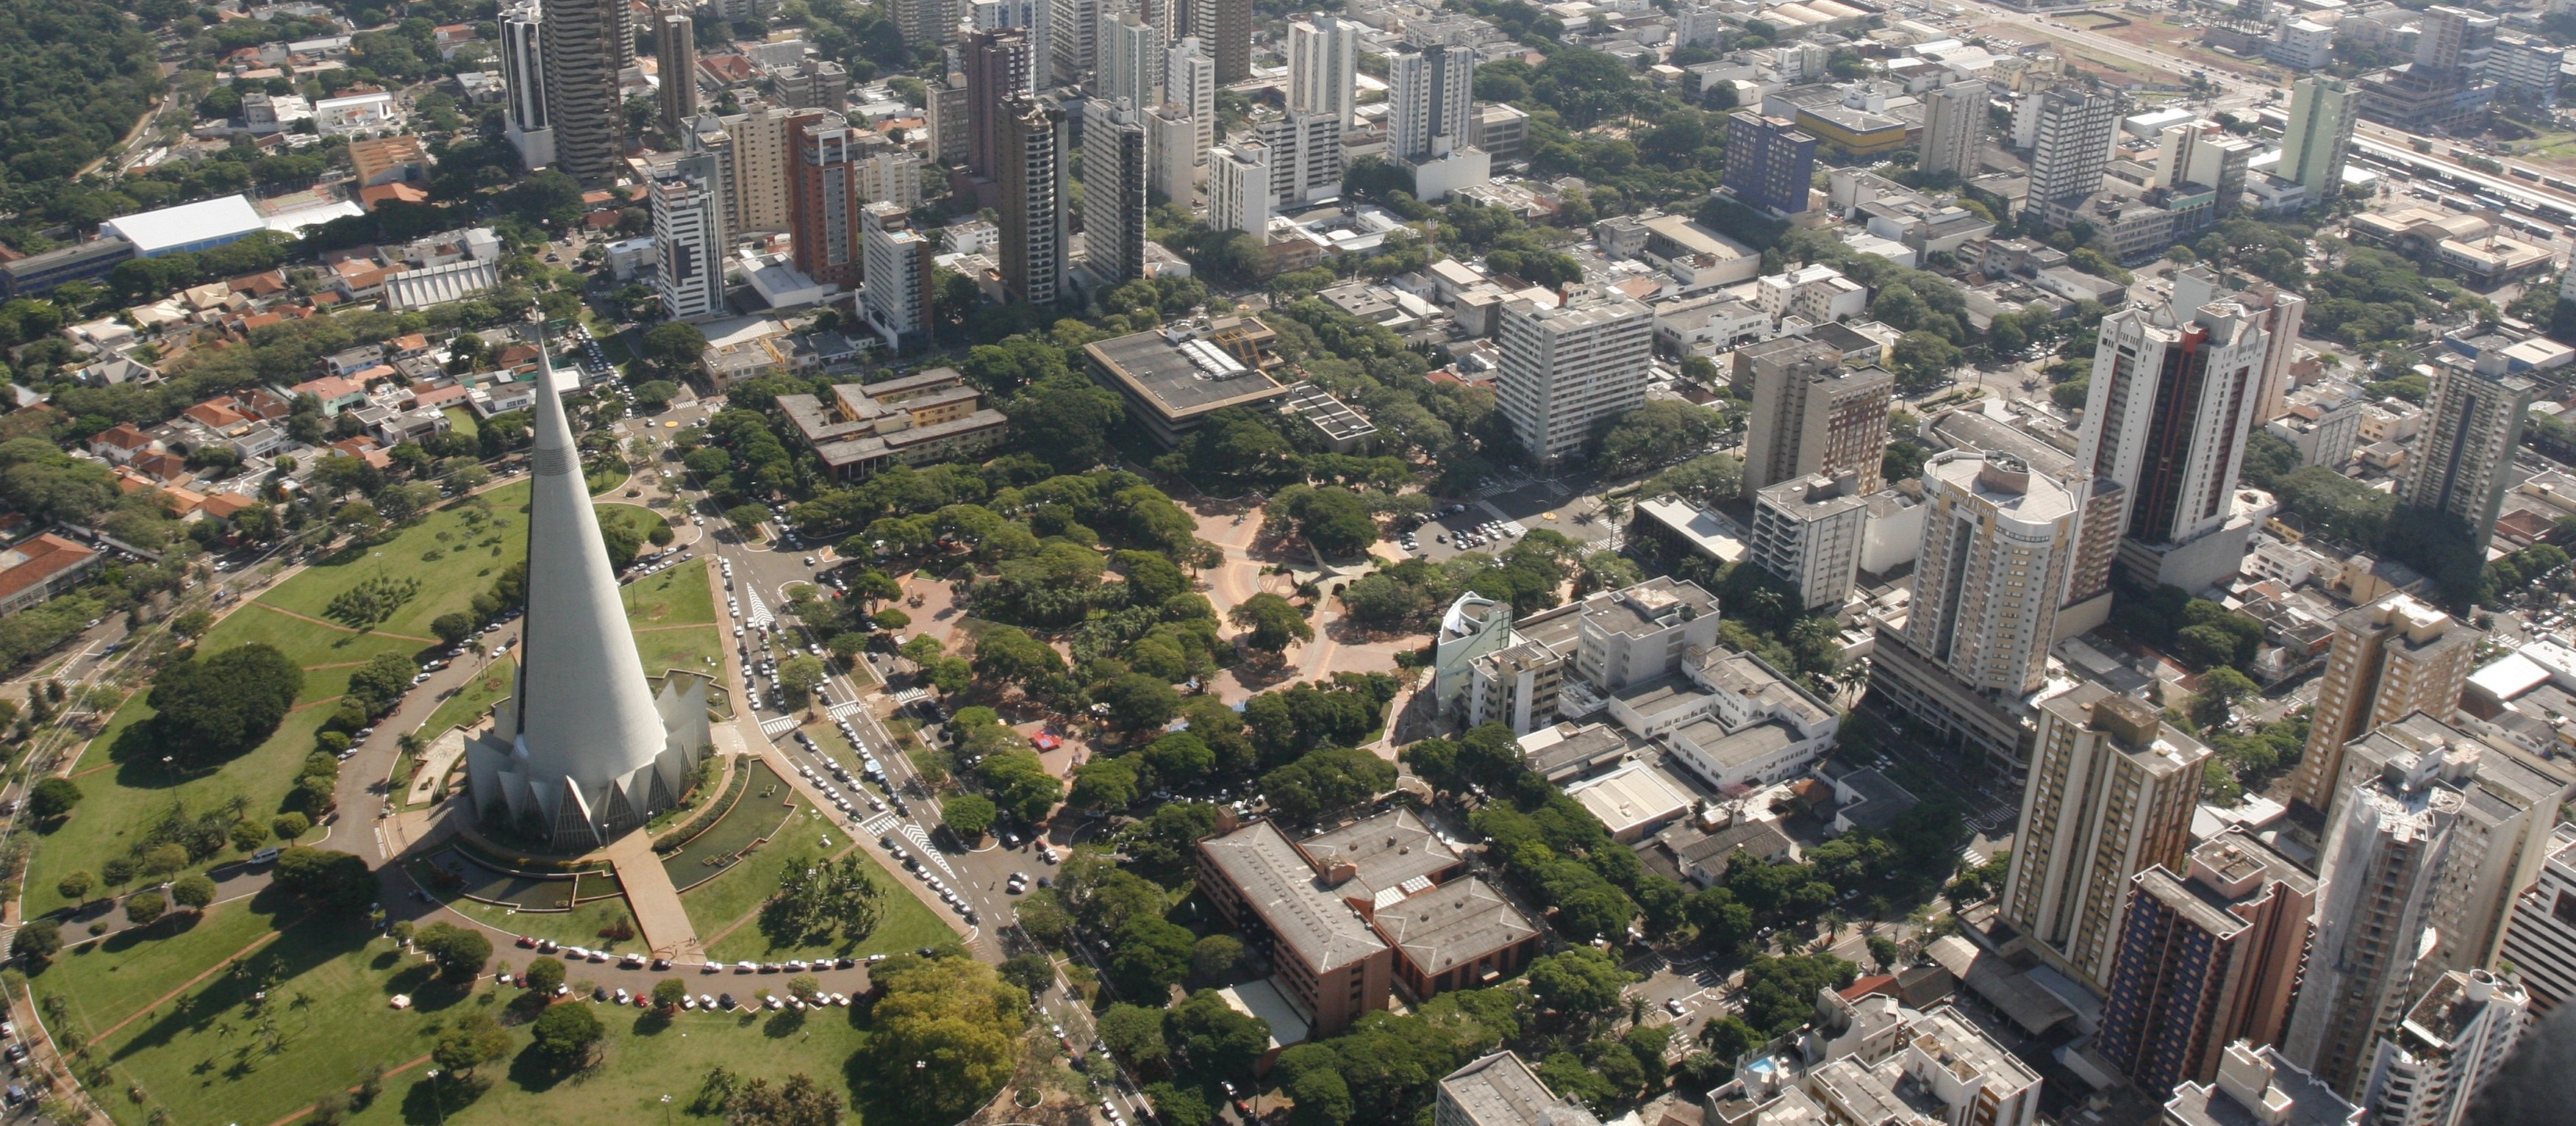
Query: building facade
{"type": "Point", "coordinates": [2210, 954]}
{"type": "Point", "coordinates": [2473, 424]}
{"type": "Point", "coordinates": [823, 198]}
{"type": "Point", "coordinates": [1323, 66]}
{"type": "Point", "coordinates": [1807, 531]}
{"type": "Point", "coordinates": [1565, 369]}
{"type": "Point", "coordinates": [2429, 1069]}
{"type": "Point", "coordinates": [523, 74]}
{"type": "Point", "coordinates": [2318, 137]}
{"type": "Point", "coordinates": [1428, 101]}
{"type": "Point", "coordinates": [998, 64]}
{"type": "Point", "coordinates": [2389, 659]}
{"type": "Point", "coordinates": [1030, 170]}
{"type": "Point", "coordinates": [1954, 121]}
{"type": "Point", "coordinates": [1770, 162]}
{"type": "Point", "coordinates": [1812, 416]}
{"type": "Point", "coordinates": [2072, 147]}
{"type": "Point", "coordinates": [898, 300]}
{"type": "Point", "coordinates": [689, 240]}
{"type": "Point", "coordinates": [1113, 192]}
{"type": "Point", "coordinates": [2540, 940]}
{"type": "Point", "coordinates": [675, 52]}
{"type": "Point", "coordinates": [585, 43]}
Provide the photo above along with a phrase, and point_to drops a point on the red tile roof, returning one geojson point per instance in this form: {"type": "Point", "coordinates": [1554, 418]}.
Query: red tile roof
{"type": "Point", "coordinates": [45, 556]}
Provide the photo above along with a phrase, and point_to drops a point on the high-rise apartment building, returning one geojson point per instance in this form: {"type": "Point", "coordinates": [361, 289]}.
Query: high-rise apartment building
{"type": "Point", "coordinates": [1225, 27]}
{"type": "Point", "coordinates": [1996, 541]}
{"type": "Point", "coordinates": [756, 169]}
{"type": "Point", "coordinates": [689, 239]}
{"type": "Point", "coordinates": [1189, 89]}
{"type": "Point", "coordinates": [2282, 313]}
{"type": "Point", "coordinates": [586, 42]}
{"type": "Point", "coordinates": [1131, 59]}
{"type": "Point", "coordinates": [1073, 40]}
{"type": "Point", "coordinates": [924, 21]}
{"type": "Point", "coordinates": [952, 136]}
{"type": "Point", "coordinates": [1812, 416]}
{"type": "Point", "coordinates": [1305, 157]}
{"type": "Point", "coordinates": [1428, 101]}
{"type": "Point", "coordinates": [897, 301]}
{"type": "Point", "coordinates": [675, 54]}
{"type": "Point", "coordinates": [823, 197]}
{"type": "Point", "coordinates": [2171, 406]}
{"type": "Point", "coordinates": [1030, 171]}
{"type": "Point", "coordinates": [2076, 126]}
{"type": "Point", "coordinates": [1807, 531]}
{"type": "Point", "coordinates": [2388, 660]}
{"type": "Point", "coordinates": [1954, 121]}
{"type": "Point", "coordinates": [998, 66]}
{"type": "Point", "coordinates": [523, 75]}
{"type": "Point", "coordinates": [2433, 833]}
{"type": "Point", "coordinates": [1566, 369]}
{"type": "Point", "coordinates": [2540, 941]}
{"type": "Point", "coordinates": [2110, 795]}
{"type": "Point", "coordinates": [890, 176]}
{"type": "Point", "coordinates": [2319, 135]}
{"type": "Point", "coordinates": [2429, 1068]}
{"type": "Point", "coordinates": [1113, 192]}
{"type": "Point", "coordinates": [2258, 1084]}
{"type": "Point", "coordinates": [2472, 424]}
{"type": "Point", "coordinates": [1323, 66]}
{"type": "Point", "coordinates": [1239, 188]}
{"type": "Point", "coordinates": [1770, 162]}
{"type": "Point", "coordinates": [1169, 172]}
{"type": "Point", "coordinates": [2210, 954]}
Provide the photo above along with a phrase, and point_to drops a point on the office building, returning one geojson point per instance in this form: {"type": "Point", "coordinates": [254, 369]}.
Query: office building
{"type": "Point", "coordinates": [2167, 420]}
{"type": "Point", "coordinates": [1305, 157]}
{"type": "Point", "coordinates": [2210, 954]}
{"type": "Point", "coordinates": [2073, 146]}
{"type": "Point", "coordinates": [1113, 192]}
{"type": "Point", "coordinates": [2540, 940]}
{"type": "Point", "coordinates": [756, 158]}
{"type": "Point", "coordinates": [2197, 159]}
{"type": "Point", "coordinates": [1224, 27]}
{"type": "Point", "coordinates": [1566, 369]}
{"type": "Point", "coordinates": [1073, 40]}
{"type": "Point", "coordinates": [1428, 101]}
{"type": "Point", "coordinates": [2281, 313]}
{"type": "Point", "coordinates": [952, 135]}
{"type": "Point", "coordinates": [2429, 1069]}
{"type": "Point", "coordinates": [1770, 162]}
{"type": "Point", "coordinates": [1812, 416]}
{"type": "Point", "coordinates": [2110, 795]}
{"type": "Point", "coordinates": [1131, 60]}
{"type": "Point", "coordinates": [823, 198]}
{"type": "Point", "coordinates": [2388, 660]}
{"type": "Point", "coordinates": [1808, 531]}
{"type": "Point", "coordinates": [2258, 1085]}
{"type": "Point", "coordinates": [585, 43]}
{"type": "Point", "coordinates": [1954, 122]}
{"type": "Point", "coordinates": [1500, 1090]}
{"type": "Point", "coordinates": [2472, 425]}
{"type": "Point", "coordinates": [920, 419]}
{"type": "Point", "coordinates": [2318, 137]}
{"type": "Point", "coordinates": [584, 751]}
{"type": "Point", "coordinates": [2528, 68]}
{"type": "Point", "coordinates": [2444, 88]}
{"type": "Point", "coordinates": [1239, 188]}
{"type": "Point", "coordinates": [1997, 539]}
{"type": "Point", "coordinates": [675, 53]}
{"type": "Point", "coordinates": [689, 239]}
{"type": "Point", "coordinates": [898, 300]}
{"type": "Point", "coordinates": [998, 68]}
{"type": "Point", "coordinates": [1323, 67]}
{"type": "Point", "coordinates": [1526, 673]}
{"type": "Point", "coordinates": [523, 76]}
{"type": "Point", "coordinates": [1328, 958]}
{"type": "Point", "coordinates": [923, 22]}
{"type": "Point", "coordinates": [1030, 171]}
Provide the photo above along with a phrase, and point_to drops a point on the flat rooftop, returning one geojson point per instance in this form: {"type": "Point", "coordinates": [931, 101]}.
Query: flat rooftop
{"type": "Point", "coordinates": [1180, 379]}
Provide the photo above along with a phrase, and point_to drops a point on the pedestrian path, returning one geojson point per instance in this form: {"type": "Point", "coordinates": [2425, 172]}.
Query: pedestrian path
{"type": "Point", "coordinates": [655, 901]}
{"type": "Point", "coordinates": [878, 825]}
{"type": "Point", "coordinates": [779, 726]}
{"type": "Point", "coordinates": [842, 710]}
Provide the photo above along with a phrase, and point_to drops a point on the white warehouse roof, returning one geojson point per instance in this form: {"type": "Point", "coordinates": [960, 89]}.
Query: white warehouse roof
{"type": "Point", "coordinates": [209, 222]}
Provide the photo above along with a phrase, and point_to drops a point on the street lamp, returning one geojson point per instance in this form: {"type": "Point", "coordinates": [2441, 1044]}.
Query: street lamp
{"type": "Point", "coordinates": [434, 1100]}
{"type": "Point", "coordinates": [666, 1110]}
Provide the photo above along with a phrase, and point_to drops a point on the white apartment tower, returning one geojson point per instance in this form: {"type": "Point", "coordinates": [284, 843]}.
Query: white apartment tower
{"type": "Point", "coordinates": [1113, 192]}
{"type": "Point", "coordinates": [1131, 59]}
{"type": "Point", "coordinates": [1428, 101]}
{"type": "Point", "coordinates": [889, 177]}
{"type": "Point", "coordinates": [2110, 794]}
{"type": "Point", "coordinates": [523, 75]}
{"type": "Point", "coordinates": [1072, 44]}
{"type": "Point", "coordinates": [1239, 188]}
{"type": "Point", "coordinates": [1567, 368]}
{"type": "Point", "coordinates": [2429, 1069]}
{"type": "Point", "coordinates": [2540, 941]}
{"type": "Point", "coordinates": [2388, 660]}
{"type": "Point", "coordinates": [689, 239]}
{"type": "Point", "coordinates": [1171, 171]}
{"type": "Point", "coordinates": [2073, 145]}
{"type": "Point", "coordinates": [1323, 66]}
{"type": "Point", "coordinates": [1305, 157]}
{"type": "Point", "coordinates": [2472, 425]}
{"type": "Point", "coordinates": [1997, 540]}
{"type": "Point", "coordinates": [1808, 532]}
{"type": "Point", "coordinates": [1189, 91]}
{"type": "Point", "coordinates": [897, 298]}
{"type": "Point", "coordinates": [1954, 120]}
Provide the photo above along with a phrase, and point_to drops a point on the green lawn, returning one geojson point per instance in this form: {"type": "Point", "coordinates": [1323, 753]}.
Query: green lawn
{"type": "Point", "coordinates": [715, 904]}
{"type": "Point", "coordinates": [463, 421]}
{"type": "Point", "coordinates": [758, 812]}
{"type": "Point", "coordinates": [580, 926]}
{"type": "Point", "coordinates": [466, 560]}
{"type": "Point", "coordinates": [904, 922]}
{"type": "Point", "coordinates": [479, 695]}
{"type": "Point", "coordinates": [205, 1056]}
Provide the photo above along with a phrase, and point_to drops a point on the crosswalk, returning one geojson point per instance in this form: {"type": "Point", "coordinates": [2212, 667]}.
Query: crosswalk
{"type": "Point", "coordinates": [876, 826]}
{"type": "Point", "coordinates": [779, 726]}
{"type": "Point", "coordinates": [921, 838]}
{"type": "Point", "coordinates": [760, 617]}
{"type": "Point", "coordinates": [842, 710]}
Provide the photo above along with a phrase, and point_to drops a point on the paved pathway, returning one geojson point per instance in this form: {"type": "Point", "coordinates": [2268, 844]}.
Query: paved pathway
{"type": "Point", "coordinates": [653, 898]}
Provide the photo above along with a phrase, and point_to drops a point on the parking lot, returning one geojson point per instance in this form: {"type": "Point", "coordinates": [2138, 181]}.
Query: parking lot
{"type": "Point", "coordinates": [1510, 510]}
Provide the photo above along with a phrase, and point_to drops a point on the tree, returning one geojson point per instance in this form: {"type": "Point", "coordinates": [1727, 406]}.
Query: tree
{"type": "Point", "coordinates": [144, 908]}
{"type": "Point", "coordinates": [969, 816]}
{"type": "Point", "coordinates": [1135, 1033]}
{"type": "Point", "coordinates": [211, 709]}
{"type": "Point", "coordinates": [1707, 478]}
{"type": "Point", "coordinates": [1270, 622]}
{"type": "Point", "coordinates": [1032, 972]}
{"type": "Point", "coordinates": [1218, 1042]}
{"type": "Point", "coordinates": [1883, 951]}
{"type": "Point", "coordinates": [1780, 993]}
{"type": "Point", "coordinates": [653, 396]}
{"type": "Point", "coordinates": [1104, 783]}
{"type": "Point", "coordinates": [544, 974]}
{"type": "Point", "coordinates": [2220, 689]}
{"type": "Point", "coordinates": [289, 826]}
{"type": "Point", "coordinates": [52, 798]}
{"type": "Point", "coordinates": [1138, 701]}
{"type": "Point", "coordinates": [474, 1040]}
{"type": "Point", "coordinates": [673, 348]}
{"type": "Point", "coordinates": [1658, 433]}
{"type": "Point", "coordinates": [458, 953]}
{"type": "Point", "coordinates": [1148, 956]}
{"type": "Point", "coordinates": [1329, 779]}
{"type": "Point", "coordinates": [568, 1031]}
{"type": "Point", "coordinates": [668, 994]}
{"type": "Point", "coordinates": [76, 886]}
{"type": "Point", "coordinates": [453, 627]}
{"type": "Point", "coordinates": [37, 941]}
{"type": "Point", "coordinates": [1578, 985]}
{"type": "Point", "coordinates": [955, 1014]}
{"type": "Point", "coordinates": [799, 677]}
{"type": "Point", "coordinates": [799, 1101]}
{"type": "Point", "coordinates": [1216, 957]}
{"type": "Point", "coordinates": [1923, 358]}
{"type": "Point", "coordinates": [193, 891]}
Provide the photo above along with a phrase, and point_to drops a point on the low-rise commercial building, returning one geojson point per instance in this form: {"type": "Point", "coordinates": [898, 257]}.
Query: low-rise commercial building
{"type": "Point", "coordinates": [913, 420]}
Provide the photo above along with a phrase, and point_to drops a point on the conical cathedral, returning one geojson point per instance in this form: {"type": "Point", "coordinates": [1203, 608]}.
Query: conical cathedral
{"type": "Point", "coordinates": [582, 751]}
